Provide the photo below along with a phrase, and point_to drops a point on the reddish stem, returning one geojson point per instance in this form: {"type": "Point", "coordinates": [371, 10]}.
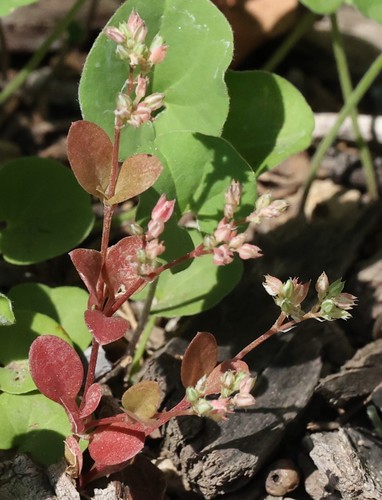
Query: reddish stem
{"type": "Point", "coordinates": [90, 376]}
{"type": "Point", "coordinates": [197, 252]}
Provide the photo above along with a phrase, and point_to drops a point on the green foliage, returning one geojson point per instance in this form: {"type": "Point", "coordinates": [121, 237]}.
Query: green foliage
{"type": "Point", "coordinates": [269, 120]}
{"type": "Point", "coordinates": [6, 311]}
{"type": "Point", "coordinates": [370, 8]}
{"type": "Point", "coordinates": [191, 76]}
{"type": "Point", "coordinates": [44, 211]}
{"type": "Point", "coordinates": [8, 6]}
{"type": "Point", "coordinates": [65, 304]}
{"type": "Point", "coordinates": [33, 424]}
{"type": "Point", "coordinates": [323, 6]}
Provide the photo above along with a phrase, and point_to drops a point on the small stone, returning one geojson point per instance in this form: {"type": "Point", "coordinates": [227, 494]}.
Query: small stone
{"type": "Point", "coordinates": [282, 478]}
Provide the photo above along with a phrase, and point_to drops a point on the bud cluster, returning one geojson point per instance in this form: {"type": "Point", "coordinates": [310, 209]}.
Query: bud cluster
{"type": "Point", "coordinates": [238, 383]}
{"type": "Point", "coordinates": [146, 259]}
{"type": "Point", "coordinates": [288, 296]}
{"type": "Point", "coordinates": [332, 302]}
{"type": "Point", "coordinates": [265, 208]}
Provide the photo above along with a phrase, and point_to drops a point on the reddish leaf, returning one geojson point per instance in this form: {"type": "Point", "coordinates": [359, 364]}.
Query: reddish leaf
{"type": "Point", "coordinates": [199, 358]}
{"type": "Point", "coordinates": [119, 273]}
{"type": "Point", "coordinates": [90, 154]}
{"type": "Point", "coordinates": [56, 369]}
{"type": "Point", "coordinates": [91, 400]}
{"type": "Point", "coordinates": [213, 381]}
{"type": "Point", "coordinates": [88, 264]}
{"type": "Point", "coordinates": [137, 174]}
{"type": "Point", "coordinates": [73, 457]}
{"type": "Point", "coordinates": [105, 329]}
{"type": "Point", "coordinates": [115, 443]}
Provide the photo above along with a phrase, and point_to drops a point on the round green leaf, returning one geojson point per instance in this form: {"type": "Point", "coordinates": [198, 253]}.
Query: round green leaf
{"type": "Point", "coordinates": [65, 304]}
{"type": "Point", "coordinates": [15, 378]}
{"type": "Point", "coordinates": [6, 311]}
{"type": "Point", "coordinates": [43, 210]}
{"type": "Point", "coordinates": [323, 6]}
{"type": "Point", "coordinates": [197, 171]}
{"type": "Point", "coordinates": [8, 6]}
{"type": "Point", "coordinates": [269, 119]}
{"type": "Point", "coordinates": [33, 424]}
{"type": "Point", "coordinates": [370, 8]}
{"type": "Point", "coordinates": [198, 288]}
{"type": "Point", "coordinates": [191, 76]}
{"type": "Point", "coordinates": [15, 340]}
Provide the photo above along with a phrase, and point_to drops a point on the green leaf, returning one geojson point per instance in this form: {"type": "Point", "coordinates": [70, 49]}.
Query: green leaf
{"type": "Point", "coordinates": [269, 119]}
{"type": "Point", "coordinates": [201, 286]}
{"type": "Point", "coordinates": [323, 6]}
{"type": "Point", "coordinates": [15, 340]}
{"type": "Point", "coordinates": [15, 378]}
{"type": "Point", "coordinates": [197, 171]}
{"type": "Point", "coordinates": [142, 399]}
{"type": "Point", "coordinates": [191, 76]}
{"type": "Point", "coordinates": [34, 424]}
{"type": "Point", "coordinates": [6, 311]}
{"type": "Point", "coordinates": [44, 210]}
{"type": "Point", "coordinates": [370, 8]}
{"type": "Point", "coordinates": [8, 6]}
{"type": "Point", "coordinates": [65, 304]}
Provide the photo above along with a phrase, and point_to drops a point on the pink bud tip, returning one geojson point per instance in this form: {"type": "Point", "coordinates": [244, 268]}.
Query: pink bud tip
{"type": "Point", "coordinates": [163, 209]}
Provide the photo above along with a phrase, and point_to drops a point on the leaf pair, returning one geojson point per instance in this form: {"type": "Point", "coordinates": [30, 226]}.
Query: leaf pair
{"type": "Point", "coordinates": [90, 152]}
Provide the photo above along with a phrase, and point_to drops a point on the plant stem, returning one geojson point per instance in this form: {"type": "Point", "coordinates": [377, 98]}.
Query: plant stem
{"type": "Point", "coordinates": [141, 340]}
{"type": "Point", "coordinates": [346, 87]}
{"type": "Point", "coordinates": [35, 60]}
{"type": "Point", "coordinates": [353, 100]}
{"type": "Point", "coordinates": [290, 41]}
{"type": "Point", "coordinates": [196, 252]}
{"type": "Point", "coordinates": [90, 376]}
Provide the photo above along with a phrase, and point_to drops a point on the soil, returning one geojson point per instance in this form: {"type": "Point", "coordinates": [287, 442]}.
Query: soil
{"type": "Point", "coordinates": [316, 430]}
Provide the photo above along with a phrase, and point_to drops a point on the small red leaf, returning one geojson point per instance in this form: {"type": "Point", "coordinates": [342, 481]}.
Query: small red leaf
{"type": "Point", "coordinates": [73, 457]}
{"type": "Point", "coordinates": [137, 174]}
{"type": "Point", "coordinates": [91, 400]}
{"type": "Point", "coordinates": [119, 273]}
{"type": "Point", "coordinates": [56, 369]}
{"type": "Point", "coordinates": [90, 154]}
{"type": "Point", "coordinates": [105, 329]}
{"type": "Point", "coordinates": [213, 385]}
{"type": "Point", "coordinates": [199, 358]}
{"type": "Point", "coordinates": [115, 443]}
{"type": "Point", "coordinates": [88, 263]}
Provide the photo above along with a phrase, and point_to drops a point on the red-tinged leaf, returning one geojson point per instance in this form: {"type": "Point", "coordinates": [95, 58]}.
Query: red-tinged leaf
{"type": "Point", "coordinates": [90, 154]}
{"type": "Point", "coordinates": [144, 479]}
{"type": "Point", "coordinates": [56, 369]}
{"type": "Point", "coordinates": [105, 329]}
{"type": "Point", "coordinates": [88, 263]}
{"type": "Point", "coordinates": [213, 385]}
{"type": "Point", "coordinates": [137, 174]}
{"type": "Point", "coordinates": [119, 273]}
{"type": "Point", "coordinates": [199, 358]}
{"type": "Point", "coordinates": [142, 399]}
{"type": "Point", "coordinates": [73, 457]}
{"type": "Point", "coordinates": [115, 444]}
{"type": "Point", "coordinates": [91, 400]}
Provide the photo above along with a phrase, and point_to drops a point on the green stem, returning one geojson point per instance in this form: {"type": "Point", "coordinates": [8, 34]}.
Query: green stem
{"type": "Point", "coordinates": [289, 42]}
{"type": "Point", "coordinates": [20, 78]}
{"type": "Point", "coordinates": [141, 345]}
{"type": "Point", "coordinates": [353, 100]}
{"type": "Point", "coordinates": [346, 87]}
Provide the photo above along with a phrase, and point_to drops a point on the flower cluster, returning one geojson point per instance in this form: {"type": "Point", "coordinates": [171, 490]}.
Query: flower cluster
{"type": "Point", "coordinates": [130, 38]}
{"type": "Point", "coordinates": [331, 303]}
{"type": "Point", "coordinates": [146, 258]}
{"type": "Point", "coordinates": [266, 208]}
{"type": "Point", "coordinates": [235, 392]}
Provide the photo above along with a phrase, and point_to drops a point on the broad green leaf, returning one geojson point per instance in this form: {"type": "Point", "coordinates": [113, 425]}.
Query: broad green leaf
{"type": "Point", "coordinates": [323, 6]}
{"type": "Point", "coordinates": [197, 171]}
{"type": "Point", "coordinates": [65, 304]}
{"type": "Point", "coordinates": [142, 399]}
{"type": "Point", "coordinates": [191, 76]}
{"type": "Point", "coordinates": [6, 311]}
{"type": "Point", "coordinates": [8, 6]}
{"type": "Point", "coordinates": [370, 8]}
{"type": "Point", "coordinates": [15, 340]}
{"type": "Point", "coordinates": [43, 211]}
{"type": "Point", "coordinates": [34, 424]}
{"type": "Point", "coordinates": [15, 378]}
{"type": "Point", "coordinates": [269, 119]}
{"type": "Point", "coordinates": [201, 286]}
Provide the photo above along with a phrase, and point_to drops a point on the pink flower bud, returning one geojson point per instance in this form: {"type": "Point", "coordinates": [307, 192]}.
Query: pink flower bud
{"type": "Point", "coordinates": [248, 251]}
{"type": "Point", "coordinates": [163, 209]}
{"type": "Point", "coordinates": [155, 228]}
{"type": "Point", "coordinates": [237, 241]}
{"type": "Point", "coordinates": [154, 101]}
{"type": "Point", "coordinates": [322, 285]}
{"type": "Point", "coordinates": [243, 400]}
{"type": "Point", "coordinates": [222, 256]}
{"type": "Point", "coordinates": [272, 285]}
{"type": "Point", "coordinates": [141, 87]}
{"type": "Point", "coordinates": [233, 193]}
{"type": "Point", "coordinates": [154, 248]}
{"type": "Point", "coordinates": [345, 301]}
{"type": "Point", "coordinates": [158, 54]}
{"type": "Point", "coordinates": [224, 231]}
{"type": "Point", "coordinates": [137, 27]}
{"type": "Point", "coordinates": [114, 34]}
{"type": "Point", "coordinates": [140, 115]}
